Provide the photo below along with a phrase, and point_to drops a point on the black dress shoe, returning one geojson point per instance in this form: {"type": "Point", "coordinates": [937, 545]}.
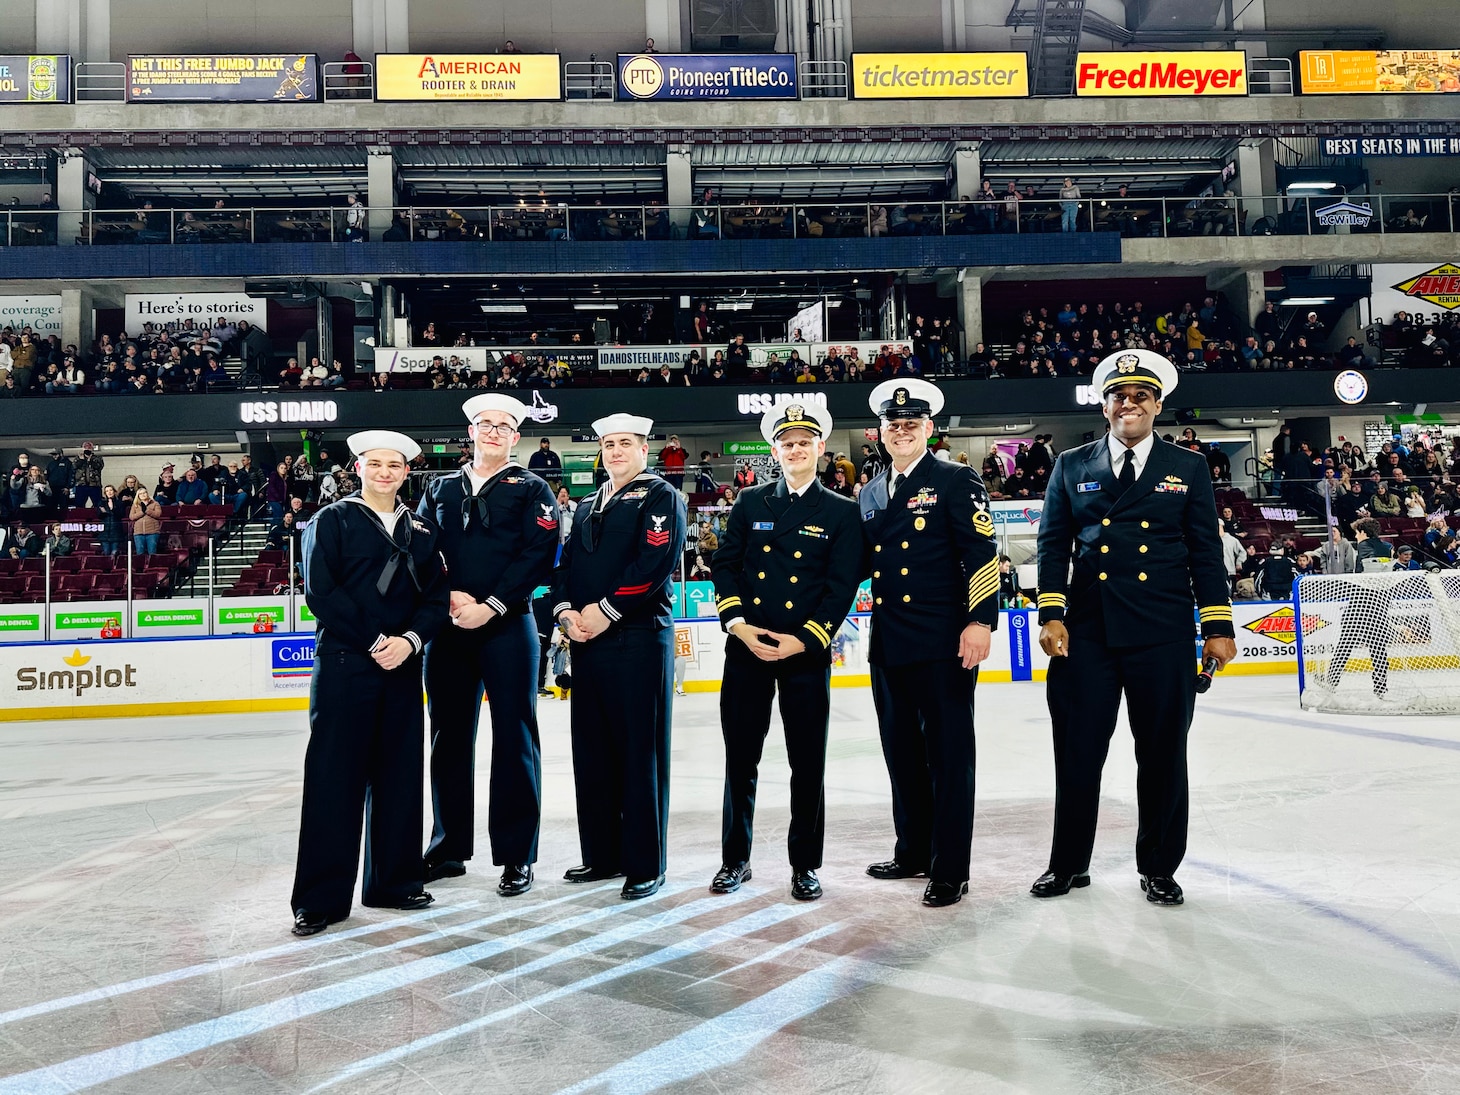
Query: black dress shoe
{"type": "Point", "coordinates": [637, 891]}
{"type": "Point", "coordinates": [1050, 884]}
{"type": "Point", "coordinates": [939, 894]}
{"type": "Point", "coordinates": [729, 877]}
{"type": "Point", "coordinates": [588, 874]}
{"type": "Point", "coordinates": [515, 880]}
{"type": "Point", "coordinates": [447, 868]}
{"type": "Point", "coordinates": [309, 923]}
{"type": "Point", "coordinates": [805, 886]}
{"type": "Point", "coordinates": [893, 869]}
{"type": "Point", "coordinates": [409, 903]}
{"type": "Point", "coordinates": [1161, 889]}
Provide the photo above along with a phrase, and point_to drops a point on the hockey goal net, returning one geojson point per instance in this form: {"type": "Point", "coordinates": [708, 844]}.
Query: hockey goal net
{"type": "Point", "coordinates": [1380, 643]}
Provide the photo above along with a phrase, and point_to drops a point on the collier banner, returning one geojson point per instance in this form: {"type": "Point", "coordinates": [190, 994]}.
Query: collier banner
{"type": "Point", "coordinates": [223, 78]}
{"type": "Point", "coordinates": [468, 77]}
{"type": "Point", "coordinates": [26, 78]}
{"type": "Point", "coordinates": [1204, 73]}
{"type": "Point", "coordinates": [173, 309]}
{"type": "Point", "coordinates": [1379, 72]}
{"type": "Point", "coordinates": [940, 76]}
{"type": "Point", "coordinates": [707, 76]}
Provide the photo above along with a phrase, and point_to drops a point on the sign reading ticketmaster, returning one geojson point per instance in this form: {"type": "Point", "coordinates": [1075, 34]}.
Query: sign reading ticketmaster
{"type": "Point", "coordinates": [707, 76]}
{"type": "Point", "coordinates": [939, 75]}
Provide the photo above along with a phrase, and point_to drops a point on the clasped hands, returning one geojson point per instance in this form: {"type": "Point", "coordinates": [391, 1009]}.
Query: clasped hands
{"type": "Point", "coordinates": [585, 625]}
{"type": "Point", "coordinates": [468, 613]}
{"type": "Point", "coordinates": [785, 646]}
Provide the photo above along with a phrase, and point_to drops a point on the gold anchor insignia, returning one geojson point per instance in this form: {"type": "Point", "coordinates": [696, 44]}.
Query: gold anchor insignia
{"type": "Point", "coordinates": [1127, 363]}
{"type": "Point", "coordinates": [901, 397]}
{"type": "Point", "coordinates": [795, 410]}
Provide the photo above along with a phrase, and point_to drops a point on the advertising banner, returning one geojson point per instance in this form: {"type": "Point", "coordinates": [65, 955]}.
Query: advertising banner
{"type": "Point", "coordinates": [1397, 147]}
{"type": "Point", "coordinates": [41, 314]}
{"type": "Point", "coordinates": [28, 78]}
{"type": "Point", "coordinates": [702, 76]}
{"type": "Point", "coordinates": [939, 76]}
{"type": "Point", "coordinates": [480, 359]}
{"type": "Point", "coordinates": [1429, 293]}
{"type": "Point", "coordinates": [1204, 73]}
{"type": "Point", "coordinates": [1379, 72]}
{"type": "Point", "coordinates": [468, 77]}
{"type": "Point", "coordinates": [223, 78]}
{"type": "Point", "coordinates": [162, 309]}
{"type": "Point", "coordinates": [647, 357]}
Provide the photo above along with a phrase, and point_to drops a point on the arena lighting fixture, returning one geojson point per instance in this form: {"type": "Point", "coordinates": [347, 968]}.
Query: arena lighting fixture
{"type": "Point", "coordinates": [1312, 186]}
{"type": "Point", "coordinates": [595, 306]}
{"type": "Point", "coordinates": [513, 309]}
{"type": "Point", "coordinates": [1300, 302]}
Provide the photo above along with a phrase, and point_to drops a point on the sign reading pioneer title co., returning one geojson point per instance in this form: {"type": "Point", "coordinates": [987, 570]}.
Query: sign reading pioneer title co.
{"type": "Point", "coordinates": [707, 76]}
{"type": "Point", "coordinates": [215, 77]}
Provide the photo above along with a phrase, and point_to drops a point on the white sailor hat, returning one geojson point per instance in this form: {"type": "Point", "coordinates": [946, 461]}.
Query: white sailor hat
{"type": "Point", "coordinates": [1135, 367]}
{"type": "Point", "coordinates": [795, 416]}
{"type": "Point", "coordinates": [623, 423]}
{"type": "Point", "coordinates": [494, 401]}
{"type": "Point", "coordinates": [906, 397]}
{"type": "Point", "coordinates": [368, 440]}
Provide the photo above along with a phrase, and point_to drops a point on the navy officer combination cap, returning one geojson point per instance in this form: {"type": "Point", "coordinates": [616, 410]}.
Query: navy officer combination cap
{"type": "Point", "coordinates": [795, 416]}
{"type": "Point", "coordinates": [906, 397]}
{"type": "Point", "coordinates": [1142, 367]}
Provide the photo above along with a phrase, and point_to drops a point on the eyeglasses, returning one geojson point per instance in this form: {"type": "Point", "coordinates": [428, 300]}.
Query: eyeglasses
{"type": "Point", "coordinates": [914, 425]}
{"type": "Point", "coordinates": [500, 428]}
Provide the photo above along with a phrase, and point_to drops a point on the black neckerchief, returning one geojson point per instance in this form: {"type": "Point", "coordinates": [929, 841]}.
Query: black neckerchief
{"type": "Point", "coordinates": [399, 551]}
{"type": "Point", "coordinates": [477, 502]}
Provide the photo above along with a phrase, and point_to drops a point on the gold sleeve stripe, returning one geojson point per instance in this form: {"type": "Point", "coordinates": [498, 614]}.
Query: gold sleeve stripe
{"type": "Point", "coordinates": [1051, 600]}
{"type": "Point", "coordinates": [819, 631]}
{"type": "Point", "coordinates": [1216, 612]}
{"type": "Point", "coordinates": [727, 602]}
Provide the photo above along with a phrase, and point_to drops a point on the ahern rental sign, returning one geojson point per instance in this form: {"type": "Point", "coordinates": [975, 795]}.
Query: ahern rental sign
{"type": "Point", "coordinates": [1205, 73]}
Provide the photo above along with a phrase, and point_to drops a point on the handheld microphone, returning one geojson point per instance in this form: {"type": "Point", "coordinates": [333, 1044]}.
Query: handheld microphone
{"type": "Point", "coordinates": [1204, 677]}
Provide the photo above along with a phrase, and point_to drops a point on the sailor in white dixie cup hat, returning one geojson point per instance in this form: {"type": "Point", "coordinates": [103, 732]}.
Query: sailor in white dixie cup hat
{"type": "Point", "coordinates": [1128, 548]}
{"type": "Point", "coordinates": [374, 581]}
{"type": "Point", "coordinates": [935, 587]}
{"type": "Point", "coordinates": [611, 598]}
{"type": "Point", "coordinates": [786, 574]}
{"type": "Point", "coordinates": [499, 536]}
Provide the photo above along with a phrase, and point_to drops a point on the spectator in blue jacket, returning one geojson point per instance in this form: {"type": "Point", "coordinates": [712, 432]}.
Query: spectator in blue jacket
{"type": "Point", "coordinates": [191, 491]}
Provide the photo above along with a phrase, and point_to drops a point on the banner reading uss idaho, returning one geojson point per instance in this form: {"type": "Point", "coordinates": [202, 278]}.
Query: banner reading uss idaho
{"type": "Point", "coordinates": [468, 77]}
{"type": "Point", "coordinates": [231, 78]}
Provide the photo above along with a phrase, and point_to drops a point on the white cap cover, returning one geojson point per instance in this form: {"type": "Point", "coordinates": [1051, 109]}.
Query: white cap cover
{"type": "Point", "coordinates": [368, 440]}
{"type": "Point", "coordinates": [494, 401]}
{"type": "Point", "coordinates": [795, 416]}
{"type": "Point", "coordinates": [1135, 367]}
{"type": "Point", "coordinates": [623, 423]}
{"type": "Point", "coordinates": [906, 397]}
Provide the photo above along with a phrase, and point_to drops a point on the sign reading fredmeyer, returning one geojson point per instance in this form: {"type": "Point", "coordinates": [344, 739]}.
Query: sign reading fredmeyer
{"type": "Point", "coordinates": [1196, 73]}
{"type": "Point", "coordinates": [707, 76]}
{"type": "Point", "coordinates": [468, 77]}
{"type": "Point", "coordinates": [939, 75]}
{"type": "Point", "coordinates": [26, 78]}
{"type": "Point", "coordinates": [1379, 72]}
{"type": "Point", "coordinates": [215, 77]}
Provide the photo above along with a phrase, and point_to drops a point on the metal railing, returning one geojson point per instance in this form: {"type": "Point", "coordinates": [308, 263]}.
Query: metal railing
{"type": "Point", "coordinates": [1132, 216]}
{"type": "Point", "coordinates": [1270, 76]}
{"type": "Point", "coordinates": [824, 79]}
{"type": "Point", "coordinates": [101, 81]}
{"type": "Point", "coordinates": [589, 80]}
{"type": "Point", "coordinates": [348, 80]}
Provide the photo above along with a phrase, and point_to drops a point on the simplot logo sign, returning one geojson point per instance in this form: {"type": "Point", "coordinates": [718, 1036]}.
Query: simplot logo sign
{"type": "Point", "coordinates": [79, 678]}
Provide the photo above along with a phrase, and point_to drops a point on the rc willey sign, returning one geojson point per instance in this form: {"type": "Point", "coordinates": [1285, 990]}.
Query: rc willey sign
{"type": "Point", "coordinates": [1345, 213]}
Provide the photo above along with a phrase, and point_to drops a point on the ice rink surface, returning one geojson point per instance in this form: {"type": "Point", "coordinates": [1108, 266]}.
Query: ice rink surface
{"type": "Point", "coordinates": [145, 868]}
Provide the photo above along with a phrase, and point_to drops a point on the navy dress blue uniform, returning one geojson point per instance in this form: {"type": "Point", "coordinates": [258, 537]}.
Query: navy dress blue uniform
{"type": "Point", "coordinates": [935, 570]}
{"type": "Point", "coordinates": [791, 565]}
{"type": "Point", "coordinates": [1142, 557]}
{"type": "Point", "coordinates": [499, 544]}
{"type": "Point", "coordinates": [621, 556]}
{"type": "Point", "coordinates": [366, 724]}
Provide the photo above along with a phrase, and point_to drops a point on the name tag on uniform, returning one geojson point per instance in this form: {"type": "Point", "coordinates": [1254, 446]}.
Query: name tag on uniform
{"type": "Point", "coordinates": [763, 526]}
{"type": "Point", "coordinates": [1086, 488]}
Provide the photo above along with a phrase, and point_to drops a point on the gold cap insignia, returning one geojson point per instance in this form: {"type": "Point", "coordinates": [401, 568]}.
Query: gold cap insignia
{"type": "Point", "coordinates": [1127, 363]}
{"type": "Point", "coordinates": [795, 411]}
{"type": "Point", "coordinates": [900, 397]}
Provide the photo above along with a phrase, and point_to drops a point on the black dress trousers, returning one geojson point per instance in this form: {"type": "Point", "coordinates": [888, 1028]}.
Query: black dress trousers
{"type": "Point", "coordinates": [1085, 687]}
{"type": "Point", "coordinates": [747, 690]}
{"type": "Point", "coordinates": [925, 717]}
{"type": "Point", "coordinates": [623, 684]}
{"type": "Point", "coordinates": [500, 658]}
{"type": "Point", "coordinates": [366, 735]}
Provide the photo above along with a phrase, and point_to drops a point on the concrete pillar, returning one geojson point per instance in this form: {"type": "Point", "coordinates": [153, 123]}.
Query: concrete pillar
{"type": "Point", "coordinates": [380, 195]}
{"type": "Point", "coordinates": [81, 28]}
{"type": "Point", "coordinates": [381, 26]}
{"type": "Point", "coordinates": [72, 197]}
{"type": "Point", "coordinates": [1246, 292]}
{"type": "Point", "coordinates": [662, 23]}
{"type": "Point", "coordinates": [967, 170]}
{"type": "Point", "coordinates": [970, 310]}
{"type": "Point", "coordinates": [78, 318]}
{"type": "Point", "coordinates": [679, 186]}
{"type": "Point", "coordinates": [1257, 180]}
{"type": "Point", "coordinates": [958, 13]}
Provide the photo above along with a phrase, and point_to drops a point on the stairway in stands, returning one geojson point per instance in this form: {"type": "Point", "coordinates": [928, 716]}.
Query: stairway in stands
{"type": "Point", "coordinates": [230, 559]}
